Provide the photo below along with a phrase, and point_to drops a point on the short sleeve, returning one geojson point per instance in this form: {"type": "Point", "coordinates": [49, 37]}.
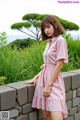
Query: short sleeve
{"type": "Point", "coordinates": [62, 52]}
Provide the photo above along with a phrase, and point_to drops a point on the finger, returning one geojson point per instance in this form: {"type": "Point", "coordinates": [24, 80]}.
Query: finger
{"type": "Point", "coordinates": [34, 85]}
{"type": "Point", "coordinates": [46, 94]}
{"type": "Point", "coordinates": [28, 81]}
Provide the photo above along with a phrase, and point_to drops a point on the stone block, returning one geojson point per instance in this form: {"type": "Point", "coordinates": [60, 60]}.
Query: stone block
{"type": "Point", "coordinates": [75, 71]}
{"type": "Point", "coordinates": [33, 115]}
{"type": "Point", "coordinates": [76, 101]}
{"type": "Point", "coordinates": [7, 97]}
{"type": "Point", "coordinates": [75, 80]}
{"type": "Point", "coordinates": [27, 108]}
{"type": "Point", "coordinates": [67, 81]}
{"type": "Point", "coordinates": [68, 95]}
{"type": "Point", "coordinates": [77, 116]}
{"type": "Point", "coordinates": [73, 111]}
{"type": "Point", "coordinates": [30, 92]}
{"type": "Point", "coordinates": [78, 108]}
{"type": "Point", "coordinates": [78, 92]}
{"type": "Point", "coordinates": [74, 94]}
{"type": "Point", "coordinates": [21, 91]}
{"type": "Point", "coordinates": [70, 118]}
{"type": "Point", "coordinates": [69, 104]}
{"type": "Point", "coordinates": [13, 113]}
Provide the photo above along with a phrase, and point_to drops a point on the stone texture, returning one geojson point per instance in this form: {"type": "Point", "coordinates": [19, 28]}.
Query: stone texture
{"type": "Point", "coordinates": [69, 105]}
{"type": "Point", "coordinates": [75, 71]}
{"type": "Point", "coordinates": [0, 115]}
{"type": "Point", "coordinates": [33, 115]}
{"type": "Point", "coordinates": [19, 108]}
{"type": "Point", "coordinates": [30, 93]}
{"type": "Point", "coordinates": [76, 101]}
{"type": "Point", "coordinates": [73, 111]}
{"type": "Point", "coordinates": [21, 91]}
{"type": "Point", "coordinates": [68, 95]}
{"type": "Point", "coordinates": [13, 113]}
{"type": "Point", "coordinates": [78, 108]}
{"type": "Point", "coordinates": [74, 94]}
{"type": "Point", "coordinates": [75, 80]}
{"type": "Point", "coordinates": [7, 97]}
{"type": "Point", "coordinates": [27, 108]}
{"type": "Point", "coordinates": [22, 117]}
{"type": "Point", "coordinates": [77, 116]}
{"type": "Point", "coordinates": [70, 118]}
{"type": "Point", "coordinates": [67, 80]}
{"type": "Point", "coordinates": [13, 119]}
{"type": "Point", "coordinates": [78, 92]}
{"type": "Point", "coordinates": [23, 110]}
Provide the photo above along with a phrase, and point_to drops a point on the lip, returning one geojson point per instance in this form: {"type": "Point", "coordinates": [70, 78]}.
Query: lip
{"type": "Point", "coordinates": [47, 33]}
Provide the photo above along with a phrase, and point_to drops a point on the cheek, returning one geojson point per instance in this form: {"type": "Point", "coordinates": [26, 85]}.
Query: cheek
{"type": "Point", "coordinates": [52, 30]}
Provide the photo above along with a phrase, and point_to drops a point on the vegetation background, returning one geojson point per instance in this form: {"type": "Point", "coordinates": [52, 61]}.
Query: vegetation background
{"type": "Point", "coordinates": [21, 59]}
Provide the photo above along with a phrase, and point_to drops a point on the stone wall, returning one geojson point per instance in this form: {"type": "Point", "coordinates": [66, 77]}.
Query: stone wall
{"type": "Point", "coordinates": [16, 98]}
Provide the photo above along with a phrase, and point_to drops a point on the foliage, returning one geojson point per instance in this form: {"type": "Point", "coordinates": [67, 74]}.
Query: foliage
{"type": "Point", "coordinates": [32, 25]}
{"type": "Point", "coordinates": [2, 80]}
{"type": "Point", "coordinates": [73, 53]}
{"type": "Point", "coordinates": [3, 40]}
{"type": "Point", "coordinates": [22, 43]}
{"type": "Point", "coordinates": [18, 65]}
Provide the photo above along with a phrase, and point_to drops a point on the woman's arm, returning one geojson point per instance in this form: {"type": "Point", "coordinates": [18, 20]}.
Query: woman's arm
{"type": "Point", "coordinates": [56, 71]}
{"type": "Point", "coordinates": [36, 76]}
{"type": "Point", "coordinates": [33, 80]}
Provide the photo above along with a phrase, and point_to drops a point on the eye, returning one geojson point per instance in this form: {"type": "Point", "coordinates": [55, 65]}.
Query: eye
{"type": "Point", "coordinates": [47, 27]}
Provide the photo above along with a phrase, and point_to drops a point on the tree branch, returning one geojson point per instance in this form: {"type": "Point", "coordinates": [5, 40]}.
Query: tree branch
{"type": "Point", "coordinates": [26, 33]}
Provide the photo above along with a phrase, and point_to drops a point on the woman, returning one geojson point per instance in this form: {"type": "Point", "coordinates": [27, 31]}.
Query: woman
{"type": "Point", "coordinates": [49, 92]}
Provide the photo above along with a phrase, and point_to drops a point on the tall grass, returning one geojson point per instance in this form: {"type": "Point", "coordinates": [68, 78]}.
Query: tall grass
{"type": "Point", "coordinates": [16, 65]}
{"type": "Point", "coordinates": [20, 65]}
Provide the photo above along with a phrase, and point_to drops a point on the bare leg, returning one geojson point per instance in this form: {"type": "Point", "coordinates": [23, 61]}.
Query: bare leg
{"type": "Point", "coordinates": [46, 115]}
{"type": "Point", "coordinates": [56, 115]}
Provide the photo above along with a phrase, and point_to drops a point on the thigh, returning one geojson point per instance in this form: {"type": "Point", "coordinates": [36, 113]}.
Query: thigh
{"type": "Point", "coordinates": [46, 115]}
{"type": "Point", "coordinates": [56, 115]}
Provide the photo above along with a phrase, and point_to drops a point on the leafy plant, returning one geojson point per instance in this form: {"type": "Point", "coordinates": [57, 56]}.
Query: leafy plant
{"type": "Point", "coordinates": [2, 80]}
{"type": "Point", "coordinates": [3, 40]}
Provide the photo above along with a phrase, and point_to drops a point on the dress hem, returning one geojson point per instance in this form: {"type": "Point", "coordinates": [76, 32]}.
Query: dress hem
{"type": "Point", "coordinates": [50, 105]}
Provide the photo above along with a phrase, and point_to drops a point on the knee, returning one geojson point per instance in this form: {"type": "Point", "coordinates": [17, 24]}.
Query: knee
{"type": "Point", "coordinates": [56, 116]}
{"type": "Point", "coordinates": [46, 117]}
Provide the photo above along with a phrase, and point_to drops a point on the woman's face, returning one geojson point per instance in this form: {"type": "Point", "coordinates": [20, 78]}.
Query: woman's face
{"type": "Point", "coordinates": [49, 30]}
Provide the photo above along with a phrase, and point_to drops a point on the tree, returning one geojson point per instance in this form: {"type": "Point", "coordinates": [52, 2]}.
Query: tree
{"type": "Point", "coordinates": [31, 26]}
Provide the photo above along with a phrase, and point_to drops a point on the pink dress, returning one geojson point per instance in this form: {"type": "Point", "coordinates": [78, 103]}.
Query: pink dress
{"type": "Point", "coordinates": [55, 49]}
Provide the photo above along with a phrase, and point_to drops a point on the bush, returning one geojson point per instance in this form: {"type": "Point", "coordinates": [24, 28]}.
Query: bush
{"type": "Point", "coordinates": [22, 43]}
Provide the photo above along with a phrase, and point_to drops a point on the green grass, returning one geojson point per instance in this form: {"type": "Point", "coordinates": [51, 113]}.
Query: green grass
{"type": "Point", "coordinates": [18, 65]}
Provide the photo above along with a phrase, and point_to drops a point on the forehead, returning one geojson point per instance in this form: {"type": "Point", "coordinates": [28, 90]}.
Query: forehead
{"type": "Point", "coordinates": [46, 24]}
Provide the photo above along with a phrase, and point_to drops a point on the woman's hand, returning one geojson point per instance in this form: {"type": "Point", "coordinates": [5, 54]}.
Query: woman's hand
{"type": "Point", "coordinates": [32, 81]}
{"type": "Point", "coordinates": [47, 90]}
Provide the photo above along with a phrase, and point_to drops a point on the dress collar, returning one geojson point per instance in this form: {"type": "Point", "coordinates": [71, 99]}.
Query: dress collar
{"type": "Point", "coordinates": [54, 38]}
